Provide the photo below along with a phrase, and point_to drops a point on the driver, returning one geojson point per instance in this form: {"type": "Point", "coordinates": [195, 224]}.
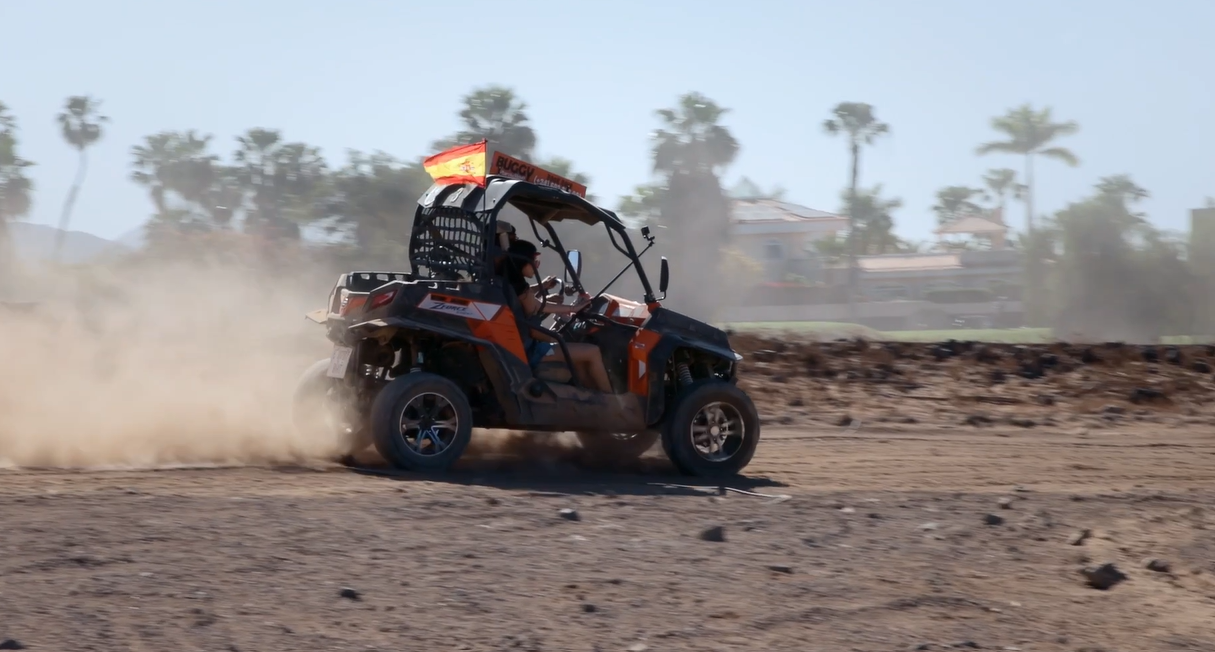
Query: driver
{"type": "Point", "coordinates": [523, 260]}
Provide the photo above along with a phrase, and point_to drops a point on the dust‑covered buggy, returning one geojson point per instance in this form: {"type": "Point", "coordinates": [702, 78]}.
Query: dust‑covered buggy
{"type": "Point", "coordinates": [422, 357]}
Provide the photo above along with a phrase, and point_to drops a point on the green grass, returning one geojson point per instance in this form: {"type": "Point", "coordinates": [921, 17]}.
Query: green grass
{"type": "Point", "coordinates": [833, 330]}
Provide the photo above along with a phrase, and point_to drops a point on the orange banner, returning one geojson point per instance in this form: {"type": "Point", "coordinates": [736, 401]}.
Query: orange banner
{"type": "Point", "coordinates": [509, 166]}
{"type": "Point", "coordinates": [460, 164]}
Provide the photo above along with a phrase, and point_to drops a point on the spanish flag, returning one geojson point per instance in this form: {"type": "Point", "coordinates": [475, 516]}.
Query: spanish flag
{"type": "Point", "coordinates": [460, 164]}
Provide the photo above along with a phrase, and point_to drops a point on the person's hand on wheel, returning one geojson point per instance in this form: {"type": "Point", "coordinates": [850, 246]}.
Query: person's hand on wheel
{"type": "Point", "coordinates": [550, 282]}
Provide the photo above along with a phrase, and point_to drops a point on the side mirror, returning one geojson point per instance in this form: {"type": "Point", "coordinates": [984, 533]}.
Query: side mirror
{"type": "Point", "coordinates": [664, 277]}
{"type": "Point", "coordinates": [575, 258]}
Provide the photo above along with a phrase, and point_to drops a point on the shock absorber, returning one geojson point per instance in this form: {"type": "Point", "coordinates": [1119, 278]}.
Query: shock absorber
{"type": "Point", "coordinates": [685, 374]}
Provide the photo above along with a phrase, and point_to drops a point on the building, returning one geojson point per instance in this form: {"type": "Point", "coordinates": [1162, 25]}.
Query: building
{"type": "Point", "coordinates": [970, 278]}
{"type": "Point", "coordinates": [781, 236]}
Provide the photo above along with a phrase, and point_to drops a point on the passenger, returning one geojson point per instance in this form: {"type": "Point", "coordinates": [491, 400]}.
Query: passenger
{"type": "Point", "coordinates": [522, 261]}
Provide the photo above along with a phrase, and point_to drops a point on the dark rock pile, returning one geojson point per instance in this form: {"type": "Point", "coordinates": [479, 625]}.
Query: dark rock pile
{"type": "Point", "coordinates": [973, 383]}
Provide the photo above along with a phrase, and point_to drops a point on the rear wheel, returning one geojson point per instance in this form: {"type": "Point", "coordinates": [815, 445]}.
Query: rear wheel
{"type": "Point", "coordinates": [421, 422]}
{"type": "Point", "coordinates": [617, 446]}
{"type": "Point", "coordinates": [321, 408]}
{"type": "Point", "coordinates": [713, 430]}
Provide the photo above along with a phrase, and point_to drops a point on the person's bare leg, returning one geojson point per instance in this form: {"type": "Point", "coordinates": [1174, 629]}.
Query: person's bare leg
{"type": "Point", "coordinates": [589, 363]}
{"type": "Point", "coordinates": [590, 356]}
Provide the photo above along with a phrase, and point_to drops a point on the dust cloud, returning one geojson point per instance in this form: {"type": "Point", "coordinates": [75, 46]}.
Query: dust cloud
{"type": "Point", "coordinates": [174, 364]}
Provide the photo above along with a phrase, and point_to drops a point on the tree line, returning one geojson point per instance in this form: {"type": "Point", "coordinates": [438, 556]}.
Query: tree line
{"type": "Point", "coordinates": [272, 187]}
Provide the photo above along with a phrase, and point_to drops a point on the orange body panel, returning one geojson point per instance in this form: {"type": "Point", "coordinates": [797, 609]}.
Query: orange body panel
{"type": "Point", "coordinates": [489, 321]}
{"type": "Point", "coordinates": [501, 330]}
{"type": "Point", "coordinates": [639, 360]}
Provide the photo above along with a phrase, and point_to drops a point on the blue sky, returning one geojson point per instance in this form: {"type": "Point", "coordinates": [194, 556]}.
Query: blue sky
{"type": "Point", "coordinates": [389, 75]}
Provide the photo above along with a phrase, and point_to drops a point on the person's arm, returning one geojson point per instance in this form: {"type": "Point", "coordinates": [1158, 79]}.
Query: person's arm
{"type": "Point", "coordinates": [533, 306]}
{"type": "Point", "coordinates": [546, 284]}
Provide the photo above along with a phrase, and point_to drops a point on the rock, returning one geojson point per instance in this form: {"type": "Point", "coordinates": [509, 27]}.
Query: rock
{"type": "Point", "coordinates": [1149, 354]}
{"type": "Point", "coordinates": [1005, 502]}
{"type": "Point", "coordinates": [1103, 577]}
{"type": "Point", "coordinates": [492, 502]}
{"type": "Point", "coordinates": [1023, 423]}
{"type": "Point", "coordinates": [764, 356]}
{"type": "Point", "coordinates": [350, 594]}
{"type": "Point", "coordinates": [992, 519]}
{"type": "Point", "coordinates": [638, 647]}
{"type": "Point", "coordinates": [1158, 566]}
{"type": "Point", "coordinates": [1080, 537]}
{"type": "Point", "coordinates": [977, 420]}
{"type": "Point", "coordinates": [998, 376]}
{"type": "Point", "coordinates": [569, 514]}
{"type": "Point", "coordinates": [716, 534]}
{"type": "Point", "coordinates": [1146, 395]}
{"type": "Point", "coordinates": [1089, 356]}
{"type": "Point", "coordinates": [1201, 366]}
{"type": "Point", "coordinates": [1046, 400]}
{"type": "Point", "coordinates": [1172, 355]}
{"type": "Point", "coordinates": [967, 644]}
{"type": "Point", "coordinates": [781, 568]}
{"type": "Point", "coordinates": [11, 644]}
{"type": "Point", "coordinates": [1031, 370]}
{"type": "Point", "coordinates": [844, 421]}
{"type": "Point", "coordinates": [797, 402]}
{"type": "Point", "coordinates": [987, 354]}
{"type": "Point", "coordinates": [1113, 409]}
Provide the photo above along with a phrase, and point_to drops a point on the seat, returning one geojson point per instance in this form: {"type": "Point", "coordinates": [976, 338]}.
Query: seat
{"type": "Point", "coordinates": [552, 371]}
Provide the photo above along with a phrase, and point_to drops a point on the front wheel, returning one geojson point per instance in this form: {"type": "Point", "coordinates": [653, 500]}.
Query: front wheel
{"type": "Point", "coordinates": [712, 431]}
{"type": "Point", "coordinates": [421, 422]}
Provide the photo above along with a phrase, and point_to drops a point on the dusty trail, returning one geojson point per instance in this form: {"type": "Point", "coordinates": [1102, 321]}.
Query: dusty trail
{"type": "Point", "coordinates": [882, 547]}
{"type": "Point", "coordinates": [884, 544]}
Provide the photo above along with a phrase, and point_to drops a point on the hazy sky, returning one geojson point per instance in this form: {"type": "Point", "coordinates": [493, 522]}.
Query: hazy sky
{"type": "Point", "coordinates": [1139, 77]}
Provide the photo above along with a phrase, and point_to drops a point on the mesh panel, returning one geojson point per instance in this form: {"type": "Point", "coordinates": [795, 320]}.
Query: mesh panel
{"type": "Point", "coordinates": [448, 243]}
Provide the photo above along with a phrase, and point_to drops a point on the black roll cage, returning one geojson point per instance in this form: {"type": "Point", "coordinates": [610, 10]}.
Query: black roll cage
{"type": "Point", "coordinates": [455, 226]}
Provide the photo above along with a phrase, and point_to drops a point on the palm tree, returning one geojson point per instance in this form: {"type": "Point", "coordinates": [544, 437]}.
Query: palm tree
{"type": "Point", "coordinates": [1002, 183]}
{"type": "Point", "coordinates": [374, 199]}
{"type": "Point", "coordinates": [494, 114]}
{"type": "Point", "coordinates": [691, 141]}
{"type": "Point", "coordinates": [282, 179]}
{"type": "Point", "coordinates": [874, 220]}
{"type": "Point", "coordinates": [690, 151]}
{"type": "Point", "coordinates": [15, 188]}
{"type": "Point", "coordinates": [857, 123]}
{"type": "Point", "coordinates": [1030, 133]}
{"type": "Point", "coordinates": [1121, 189]}
{"type": "Point", "coordinates": [80, 124]}
{"type": "Point", "coordinates": [644, 205]}
{"type": "Point", "coordinates": [178, 164]}
{"type": "Point", "coordinates": [954, 203]}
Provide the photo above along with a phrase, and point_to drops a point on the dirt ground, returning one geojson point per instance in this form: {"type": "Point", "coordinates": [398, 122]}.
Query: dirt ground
{"type": "Point", "coordinates": [900, 500]}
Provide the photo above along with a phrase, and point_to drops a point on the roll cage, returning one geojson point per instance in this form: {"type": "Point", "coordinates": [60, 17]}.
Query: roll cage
{"type": "Point", "coordinates": [454, 227]}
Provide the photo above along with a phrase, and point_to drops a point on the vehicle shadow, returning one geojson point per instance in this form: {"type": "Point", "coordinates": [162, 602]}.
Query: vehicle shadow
{"type": "Point", "coordinates": [648, 476]}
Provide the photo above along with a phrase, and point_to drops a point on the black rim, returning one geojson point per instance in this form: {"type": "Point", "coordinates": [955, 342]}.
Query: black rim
{"type": "Point", "coordinates": [429, 424]}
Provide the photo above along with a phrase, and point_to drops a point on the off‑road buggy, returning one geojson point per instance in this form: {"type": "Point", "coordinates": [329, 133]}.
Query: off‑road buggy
{"type": "Point", "coordinates": [422, 357]}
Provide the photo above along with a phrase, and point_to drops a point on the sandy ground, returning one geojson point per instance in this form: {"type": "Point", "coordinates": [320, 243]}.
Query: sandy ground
{"type": "Point", "coordinates": [894, 537]}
